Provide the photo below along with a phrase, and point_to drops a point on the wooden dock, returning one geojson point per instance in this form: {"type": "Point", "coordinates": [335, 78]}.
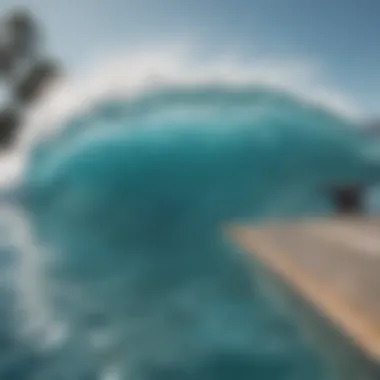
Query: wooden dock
{"type": "Point", "coordinates": [333, 264]}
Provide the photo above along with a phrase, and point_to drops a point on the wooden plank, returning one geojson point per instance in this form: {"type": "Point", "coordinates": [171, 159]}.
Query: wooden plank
{"type": "Point", "coordinates": [334, 264]}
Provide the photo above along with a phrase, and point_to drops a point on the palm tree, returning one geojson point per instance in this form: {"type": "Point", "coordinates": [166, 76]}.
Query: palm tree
{"type": "Point", "coordinates": [23, 69]}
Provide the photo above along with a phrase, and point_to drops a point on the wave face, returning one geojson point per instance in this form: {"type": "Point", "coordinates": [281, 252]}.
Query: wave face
{"type": "Point", "coordinates": [127, 202]}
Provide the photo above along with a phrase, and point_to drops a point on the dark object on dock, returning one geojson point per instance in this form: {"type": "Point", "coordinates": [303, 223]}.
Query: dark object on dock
{"type": "Point", "coordinates": [348, 200]}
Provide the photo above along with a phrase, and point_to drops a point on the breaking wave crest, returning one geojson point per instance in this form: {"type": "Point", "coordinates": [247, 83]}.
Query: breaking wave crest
{"type": "Point", "coordinates": [127, 202]}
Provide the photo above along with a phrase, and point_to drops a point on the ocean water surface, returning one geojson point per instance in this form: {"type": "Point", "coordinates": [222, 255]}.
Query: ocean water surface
{"type": "Point", "coordinates": [124, 271]}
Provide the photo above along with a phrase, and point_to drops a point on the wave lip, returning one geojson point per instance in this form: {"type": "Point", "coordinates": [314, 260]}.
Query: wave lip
{"type": "Point", "coordinates": [142, 71]}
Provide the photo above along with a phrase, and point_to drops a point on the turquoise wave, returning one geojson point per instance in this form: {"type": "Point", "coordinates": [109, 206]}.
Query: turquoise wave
{"type": "Point", "coordinates": [128, 201]}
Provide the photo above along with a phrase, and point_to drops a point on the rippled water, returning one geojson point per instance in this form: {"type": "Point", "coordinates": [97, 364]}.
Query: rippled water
{"type": "Point", "coordinates": [125, 207]}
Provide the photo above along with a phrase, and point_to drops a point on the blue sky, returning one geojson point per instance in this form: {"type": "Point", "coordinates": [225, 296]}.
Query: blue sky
{"type": "Point", "coordinates": [340, 35]}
